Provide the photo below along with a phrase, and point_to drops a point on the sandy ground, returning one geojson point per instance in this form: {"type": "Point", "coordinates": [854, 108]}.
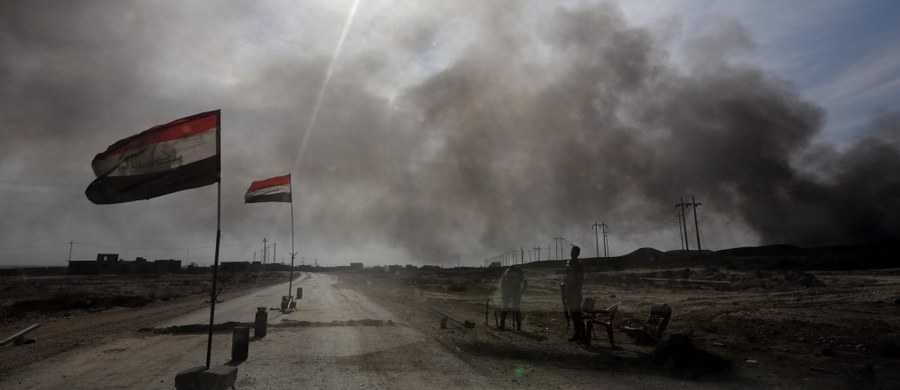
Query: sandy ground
{"type": "Point", "coordinates": [383, 330]}
{"type": "Point", "coordinates": [775, 329]}
{"type": "Point", "coordinates": [336, 339]}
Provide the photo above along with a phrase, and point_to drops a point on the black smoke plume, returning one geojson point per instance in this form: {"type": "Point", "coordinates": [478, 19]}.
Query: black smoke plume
{"type": "Point", "coordinates": [535, 124]}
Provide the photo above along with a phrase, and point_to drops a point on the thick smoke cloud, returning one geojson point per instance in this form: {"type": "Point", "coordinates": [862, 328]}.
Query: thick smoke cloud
{"type": "Point", "coordinates": [608, 127]}
{"type": "Point", "coordinates": [444, 130]}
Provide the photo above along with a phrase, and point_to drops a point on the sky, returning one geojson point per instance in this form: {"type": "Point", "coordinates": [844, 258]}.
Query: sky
{"type": "Point", "coordinates": [449, 133]}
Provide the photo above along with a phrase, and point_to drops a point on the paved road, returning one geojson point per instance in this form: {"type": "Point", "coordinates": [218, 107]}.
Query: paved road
{"type": "Point", "coordinates": [243, 308]}
{"type": "Point", "coordinates": [322, 353]}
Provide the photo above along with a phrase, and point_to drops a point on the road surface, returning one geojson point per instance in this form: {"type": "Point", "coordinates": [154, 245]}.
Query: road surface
{"type": "Point", "coordinates": [336, 339]}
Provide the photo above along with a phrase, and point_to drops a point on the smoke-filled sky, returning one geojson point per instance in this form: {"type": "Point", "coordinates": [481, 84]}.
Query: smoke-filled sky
{"type": "Point", "coordinates": [425, 132]}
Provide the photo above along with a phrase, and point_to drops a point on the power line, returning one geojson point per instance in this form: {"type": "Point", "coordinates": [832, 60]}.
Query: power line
{"type": "Point", "coordinates": [640, 238]}
{"type": "Point", "coordinates": [33, 246]}
{"type": "Point", "coordinates": [156, 249]}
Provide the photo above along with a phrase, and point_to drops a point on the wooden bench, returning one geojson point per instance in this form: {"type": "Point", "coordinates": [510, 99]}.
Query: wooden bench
{"type": "Point", "coordinates": [602, 317]}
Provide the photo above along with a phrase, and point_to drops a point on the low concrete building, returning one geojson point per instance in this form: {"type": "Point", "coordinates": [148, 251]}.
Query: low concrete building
{"type": "Point", "coordinates": [109, 263]}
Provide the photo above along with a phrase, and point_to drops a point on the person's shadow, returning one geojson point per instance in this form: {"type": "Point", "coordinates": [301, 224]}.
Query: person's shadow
{"type": "Point", "coordinates": [530, 336]}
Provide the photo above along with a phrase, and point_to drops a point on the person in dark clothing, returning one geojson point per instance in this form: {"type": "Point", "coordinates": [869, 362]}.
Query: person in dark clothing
{"type": "Point", "coordinates": [512, 285]}
{"type": "Point", "coordinates": [571, 290]}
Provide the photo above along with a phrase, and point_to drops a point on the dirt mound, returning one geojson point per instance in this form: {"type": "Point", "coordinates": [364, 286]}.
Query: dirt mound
{"type": "Point", "coordinates": [230, 325]}
{"type": "Point", "coordinates": [643, 253]}
{"type": "Point", "coordinates": [63, 302]}
{"type": "Point", "coordinates": [195, 328]}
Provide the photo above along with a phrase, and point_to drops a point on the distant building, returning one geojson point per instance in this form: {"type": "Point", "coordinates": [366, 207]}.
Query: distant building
{"type": "Point", "coordinates": [356, 265]}
{"type": "Point", "coordinates": [495, 264]}
{"type": "Point", "coordinates": [109, 257]}
{"type": "Point", "coordinates": [234, 266]}
{"type": "Point", "coordinates": [170, 266]}
{"type": "Point", "coordinates": [109, 263]}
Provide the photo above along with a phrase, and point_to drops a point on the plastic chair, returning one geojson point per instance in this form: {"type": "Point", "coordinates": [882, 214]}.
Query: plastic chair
{"type": "Point", "coordinates": [602, 317]}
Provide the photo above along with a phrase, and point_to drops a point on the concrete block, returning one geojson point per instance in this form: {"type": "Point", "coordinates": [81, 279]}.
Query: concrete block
{"type": "Point", "coordinates": [218, 378]}
{"type": "Point", "coordinates": [189, 379]}
{"type": "Point", "coordinates": [259, 326]}
{"type": "Point", "coordinates": [240, 343]}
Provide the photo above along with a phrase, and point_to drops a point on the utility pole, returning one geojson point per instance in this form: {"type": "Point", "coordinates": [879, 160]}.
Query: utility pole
{"type": "Point", "coordinates": [70, 251]}
{"type": "Point", "coordinates": [694, 204]}
{"type": "Point", "coordinates": [274, 252]}
{"type": "Point", "coordinates": [537, 254]}
{"type": "Point", "coordinates": [264, 251]}
{"type": "Point", "coordinates": [596, 226]}
{"type": "Point", "coordinates": [560, 247]}
{"type": "Point", "coordinates": [681, 205]}
{"type": "Point", "coordinates": [680, 230]}
{"type": "Point", "coordinates": [604, 226]}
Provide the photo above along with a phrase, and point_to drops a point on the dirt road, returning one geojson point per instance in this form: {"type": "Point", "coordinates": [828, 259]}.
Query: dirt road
{"type": "Point", "coordinates": [368, 329]}
{"type": "Point", "coordinates": [336, 339]}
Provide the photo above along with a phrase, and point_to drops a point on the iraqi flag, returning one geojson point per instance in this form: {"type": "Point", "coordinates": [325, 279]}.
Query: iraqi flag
{"type": "Point", "coordinates": [176, 156]}
{"type": "Point", "coordinates": [276, 189]}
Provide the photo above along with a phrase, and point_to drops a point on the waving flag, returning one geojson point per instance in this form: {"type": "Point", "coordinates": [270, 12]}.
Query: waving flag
{"type": "Point", "coordinates": [176, 156]}
{"type": "Point", "coordinates": [276, 189]}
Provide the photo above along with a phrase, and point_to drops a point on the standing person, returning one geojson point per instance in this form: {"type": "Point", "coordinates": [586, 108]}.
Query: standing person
{"type": "Point", "coordinates": [571, 290]}
{"type": "Point", "coordinates": [512, 285]}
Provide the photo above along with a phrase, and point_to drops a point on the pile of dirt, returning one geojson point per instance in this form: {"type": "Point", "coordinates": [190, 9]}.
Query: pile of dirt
{"type": "Point", "coordinates": [22, 297]}
{"type": "Point", "coordinates": [777, 280]}
{"type": "Point", "coordinates": [711, 278]}
{"type": "Point", "coordinates": [66, 302]}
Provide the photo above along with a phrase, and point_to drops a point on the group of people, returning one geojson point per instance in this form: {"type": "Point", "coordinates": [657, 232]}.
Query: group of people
{"type": "Point", "coordinates": [513, 283]}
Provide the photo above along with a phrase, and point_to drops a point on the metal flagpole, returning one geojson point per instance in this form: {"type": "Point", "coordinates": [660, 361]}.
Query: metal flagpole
{"type": "Point", "coordinates": [212, 294]}
{"type": "Point", "coordinates": [293, 254]}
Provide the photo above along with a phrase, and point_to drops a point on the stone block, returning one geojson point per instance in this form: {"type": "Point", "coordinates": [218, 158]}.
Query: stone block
{"type": "Point", "coordinates": [189, 379]}
{"type": "Point", "coordinates": [218, 378]}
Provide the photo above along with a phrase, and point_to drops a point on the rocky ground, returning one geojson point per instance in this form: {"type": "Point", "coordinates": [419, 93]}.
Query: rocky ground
{"type": "Point", "coordinates": [772, 328]}
{"type": "Point", "coordinates": [732, 327]}
{"type": "Point", "coordinates": [75, 311]}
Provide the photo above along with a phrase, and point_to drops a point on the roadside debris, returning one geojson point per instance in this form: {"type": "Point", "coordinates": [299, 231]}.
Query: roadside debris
{"type": "Point", "coordinates": [19, 337]}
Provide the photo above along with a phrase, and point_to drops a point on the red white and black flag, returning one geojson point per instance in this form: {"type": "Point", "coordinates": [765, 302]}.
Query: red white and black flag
{"type": "Point", "coordinates": [180, 155]}
{"type": "Point", "coordinates": [275, 189]}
